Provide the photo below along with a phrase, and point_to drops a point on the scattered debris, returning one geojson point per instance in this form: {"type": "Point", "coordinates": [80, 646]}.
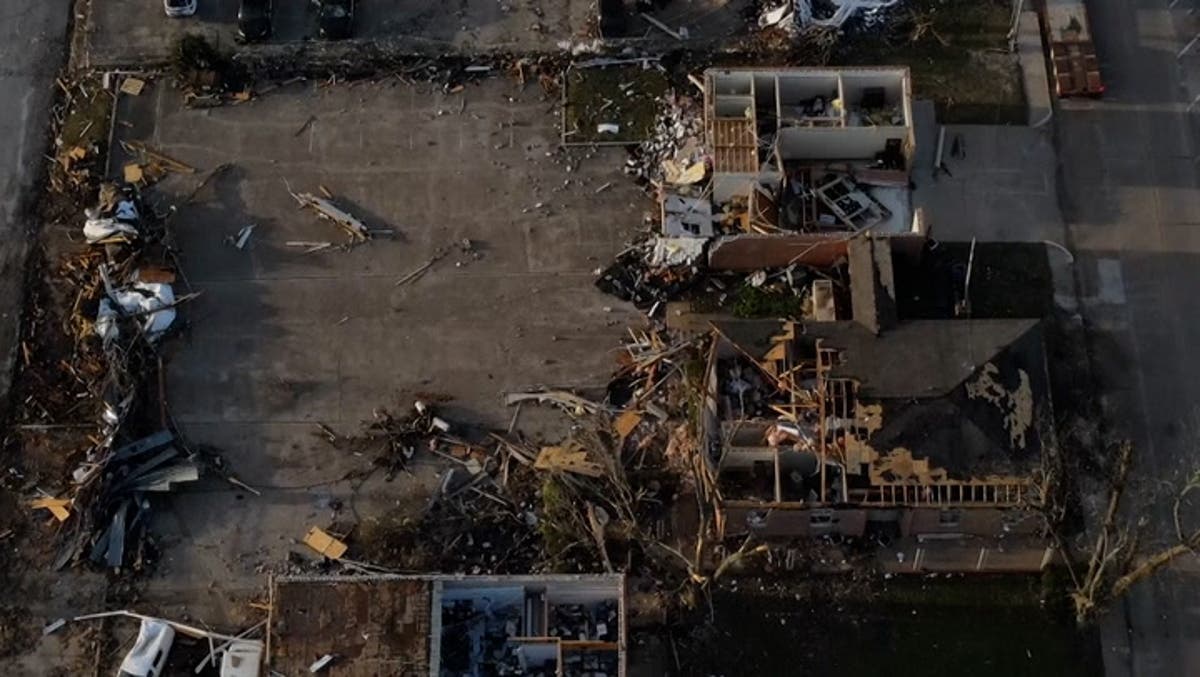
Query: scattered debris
{"type": "Point", "coordinates": [322, 663]}
{"type": "Point", "coordinates": [570, 458]}
{"type": "Point", "coordinates": [324, 544]}
{"type": "Point", "coordinates": [149, 653]}
{"type": "Point", "coordinates": [570, 402]}
{"type": "Point", "coordinates": [132, 86]}
{"type": "Point", "coordinates": [326, 209]}
{"type": "Point", "coordinates": [151, 165]}
{"type": "Point", "coordinates": [241, 238]}
{"type": "Point", "coordinates": [59, 507]}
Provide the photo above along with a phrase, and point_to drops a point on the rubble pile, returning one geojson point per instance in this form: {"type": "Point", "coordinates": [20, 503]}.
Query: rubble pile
{"type": "Point", "coordinates": [393, 440]}
{"type": "Point", "coordinates": [124, 305]}
{"type": "Point", "coordinates": [205, 75]}
{"type": "Point", "coordinates": [595, 501]}
{"type": "Point", "coordinates": [676, 145]}
{"type": "Point", "coordinates": [797, 16]}
{"type": "Point", "coordinates": [634, 278]}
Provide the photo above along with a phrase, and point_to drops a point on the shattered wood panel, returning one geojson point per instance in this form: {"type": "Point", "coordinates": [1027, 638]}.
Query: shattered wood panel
{"type": "Point", "coordinates": [754, 252]}
{"type": "Point", "coordinates": [377, 627]}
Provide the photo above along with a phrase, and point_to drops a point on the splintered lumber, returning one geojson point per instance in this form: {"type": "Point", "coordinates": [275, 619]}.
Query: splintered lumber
{"type": "Point", "coordinates": [323, 543]}
{"type": "Point", "coordinates": [157, 157]}
{"type": "Point", "coordinates": [568, 401]}
{"type": "Point", "coordinates": [59, 507]}
{"type": "Point", "coordinates": [357, 230]}
{"type": "Point", "coordinates": [570, 458]}
{"type": "Point", "coordinates": [626, 422]}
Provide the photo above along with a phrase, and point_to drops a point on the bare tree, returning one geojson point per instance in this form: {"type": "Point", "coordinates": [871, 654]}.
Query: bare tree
{"type": "Point", "coordinates": [1117, 561]}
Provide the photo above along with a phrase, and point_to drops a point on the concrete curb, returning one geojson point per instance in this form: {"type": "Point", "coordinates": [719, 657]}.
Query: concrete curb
{"type": "Point", "coordinates": [1033, 69]}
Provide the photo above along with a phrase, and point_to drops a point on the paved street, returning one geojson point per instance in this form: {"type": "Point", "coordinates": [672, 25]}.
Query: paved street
{"type": "Point", "coordinates": [1129, 191]}
{"type": "Point", "coordinates": [32, 40]}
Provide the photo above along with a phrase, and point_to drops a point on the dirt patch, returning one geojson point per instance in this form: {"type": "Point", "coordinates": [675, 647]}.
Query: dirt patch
{"type": "Point", "coordinates": [16, 635]}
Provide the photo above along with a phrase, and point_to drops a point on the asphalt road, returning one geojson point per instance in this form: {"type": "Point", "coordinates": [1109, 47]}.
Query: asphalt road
{"type": "Point", "coordinates": [1128, 187]}
{"type": "Point", "coordinates": [32, 48]}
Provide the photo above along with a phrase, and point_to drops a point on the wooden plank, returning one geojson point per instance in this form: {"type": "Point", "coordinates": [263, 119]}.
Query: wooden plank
{"type": "Point", "coordinates": [323, 543]}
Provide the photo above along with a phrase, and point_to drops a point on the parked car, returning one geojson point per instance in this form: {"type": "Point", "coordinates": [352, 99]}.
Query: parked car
{"type": "Point", "coordinates": [149, 653]}
{"type": "Point", "coordinates": [254, 19]}
{"type": "Point", "coordinates": [335, 19]}
{"type": "Point", "coordinates": [179, 7]}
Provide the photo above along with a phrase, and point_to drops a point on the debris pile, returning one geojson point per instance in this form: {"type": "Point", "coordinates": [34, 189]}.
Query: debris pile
{"type": "Point", "coordinates": [356, 231]}
{"type": "Point", "coordinates": [205, 75]}
{"type": "Point", "coordinates": [794, 16]}
{"type": "Point", "coordinates": [150, 165]}
{"type": "Point", "coordinates": [646, 279]}
{"type": "Point", "coordinates": [597, 500]}
{"type": "Point", "coordinates": [124, 306]}
{"type": "Point", "coordinates": [675, 152]}
{"type": "Point", "coordinates": [394, 440]}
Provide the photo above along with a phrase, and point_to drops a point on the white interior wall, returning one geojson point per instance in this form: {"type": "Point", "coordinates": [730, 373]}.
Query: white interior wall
{"type": "Point", "coordinates": [734, 106]}
{"type": "Point", "coordinates": [836, 143]}
{"type": "Point", "coordinates": [726, 186]}
{"type": "Point", "coordinates": [724, 83]}
{"type": "Point", "coordinates": [794, 88]}
{"type": "Point", "coordinates": [766, 99]}
{"type": "Point", "coordinates": [854, 83]}
{"type": "Point", "coordinates": [746, 457]}
{"type": "Point", "coordinates": [588, 593]}
{"type": "Point", "coordinates": [499, 596]}
{"type": "Point", "coordinates": [804, 462]}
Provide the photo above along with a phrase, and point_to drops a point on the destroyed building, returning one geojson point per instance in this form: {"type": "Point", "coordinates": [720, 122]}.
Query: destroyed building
{"type": "Point", "coordinates": [920, 434]}
{"type": "Point", "coordinates": [799, 157]}
{"type": "Point", "coordinates": [562, 625]}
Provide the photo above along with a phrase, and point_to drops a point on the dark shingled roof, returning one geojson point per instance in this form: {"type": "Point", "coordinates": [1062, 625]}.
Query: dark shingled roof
{"type": "Point", "coordinates": [921, 373]}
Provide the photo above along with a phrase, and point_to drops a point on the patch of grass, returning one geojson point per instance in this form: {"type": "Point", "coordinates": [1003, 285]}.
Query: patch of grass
{"type": "Point", "coordinates": [755, 302]}
{"type": "Point", "coordinates": [87, 118]}
{"type": "Point", "coordinates": [627, 96]}
{"type": "Point", "coordinates": [958, 53]}
{"type": "Point", "coordinates": [557, 512]}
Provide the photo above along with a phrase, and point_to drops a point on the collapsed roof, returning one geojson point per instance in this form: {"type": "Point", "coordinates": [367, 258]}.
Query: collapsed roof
{"type": "Point", "coordinates": [886, 410]}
